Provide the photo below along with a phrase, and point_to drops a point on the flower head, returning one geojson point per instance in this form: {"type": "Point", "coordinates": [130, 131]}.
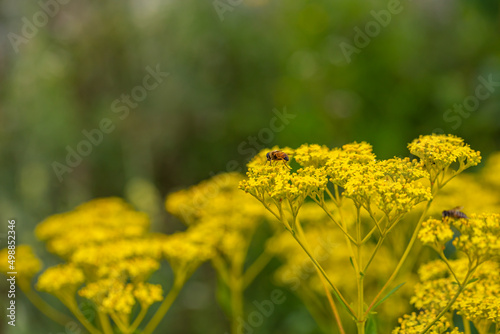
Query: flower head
{"type": "Point", "coordinates": [61, 279]}
{"type": "Point", "coordinates": [100, 220]}
{"type": "Point", "coordinates": [415, 323]}
{"type": "Point", "coordinates": [26, 264]}
{"type": "Point", "coordinates": [439, 152]}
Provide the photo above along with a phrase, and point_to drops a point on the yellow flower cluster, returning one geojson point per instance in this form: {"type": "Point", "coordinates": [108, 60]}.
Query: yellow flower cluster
{"type": "Point", "coordinates": [439, 152]}
{"type": "Point", "coordinates": [110, 256]}
{"type": "Point", "coordinates": [479, 235]}
{"type": "Point", "coordinates": [100, 220]}
{"type": "Point", "coordinates": [312, 155]}
{"type": "Point", "coordinates": [480, 300]}
{"type": "Point", "coordinates": [61, 280]}
{"type": "Point", "coordinates": [435, 232]}
{"type": "Point", "coordinates": [224, 218]}
{"type": "Point", "coordinates": [27, 264]}
{"type": "Point", "coordinates": [217, 213]}
{"type": "Point", "coordinates": [390, 185]}
{"type": "Point", "coordinates": [114, 296]}
{"type": "Point", "coordinates": [415, 323]}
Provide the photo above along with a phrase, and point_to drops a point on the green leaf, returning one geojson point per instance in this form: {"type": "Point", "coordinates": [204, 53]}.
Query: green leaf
{"type": "Point", "coordinates": [352, 263]}
{"type": "Point", "coordinates": [371, 324]}
{"type": "Point", "coordinates": [388, 295]}
{"type": "Point", "coordinates": [344, 305]}
{"type": "Point", "coordinates": [473, 280]}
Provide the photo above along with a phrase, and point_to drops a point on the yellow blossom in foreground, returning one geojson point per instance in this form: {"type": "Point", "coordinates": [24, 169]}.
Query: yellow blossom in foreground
{"type": "Point", "coordinates": [27, 264]}
{"type": "Point", "coordinates": [63, 278]}
{"type": "Point", "coordinates": [480, 301]}
{"type": "Point", "coordinates": [414, 324]}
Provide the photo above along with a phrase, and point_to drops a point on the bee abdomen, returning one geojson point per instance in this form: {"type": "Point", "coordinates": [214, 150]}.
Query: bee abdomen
{"type": "Point", "coordinates": [454, 214]}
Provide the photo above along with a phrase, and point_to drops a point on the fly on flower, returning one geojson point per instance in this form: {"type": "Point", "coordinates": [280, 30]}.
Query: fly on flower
{"type": "Point", "coordinates": [455, 213]}
{"type": "Point", "coordinates": [278, 156]}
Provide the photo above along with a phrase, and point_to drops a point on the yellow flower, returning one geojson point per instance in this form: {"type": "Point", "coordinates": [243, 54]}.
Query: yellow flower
{"type": "Point", "coordinates": [478, 302]}
{"type": "Point", "coordinates": [480, 236]}
{"type": "Point", "coordinates": [119, 299]}
{"type": "Point", "coordinates": [185, 253]}
{"type": "Point", "coordinates": [100, 220]}
{"type": "Point", "coordinates": [312, 155]}
{"type": "Point", "coordinates": [438, 152]}
{"type": "Point", "coordinates": [115, 296]}
{"type": "Point", "coordinates": [415, 323]}
{"type": "Point", "coordinates": [148, 294]}
{"type": "Point", "coordinates": [435, 232]}
{"type": "Point", "coordinates": [61, 279]}
{"type": "Point", "coordinates": [136, 268]}
{"type": "Point", "coordinates": [108, 253]}
{"type": "Point", "coordinates": [26, 263]}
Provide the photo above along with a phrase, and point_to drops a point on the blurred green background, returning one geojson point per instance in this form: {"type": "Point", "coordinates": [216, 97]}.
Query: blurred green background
{"type": "Point", "coordinates": [233, 66]}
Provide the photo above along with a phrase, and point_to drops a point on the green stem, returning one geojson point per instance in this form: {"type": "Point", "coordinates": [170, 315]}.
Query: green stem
{"type": "Point", "coordinates": [452, 301]}
{"type": "Point", "coordinates": [165, 305]}
{"type": "Point", "coordinates": [138, 319]}
{"type": "Point", "coordinates": [403, 258]}
{"type": "Point", "coordinates": [377, 247]}
{"type": "Point", "coordinates": [466, 325]}
{"type": "Point", "coordinates": [119, 323]}
{"type": "Point", "coordinates": [236, 287]}
{"type": "Point", "coordinates": [105, 325]}
{"type": "Point", "coordinates": [338, 295]}
{"type": "Point", "coordinates": [256, 267]}
{"type": "Point", "coordinates": [441, 255]}
{"type": "Point", "coordinates": [360, 323]}
{"type": "Point", "coordinates": [46, 309]}
{"type": "Point", "coordinates": [323, 206]}
{"type": "Point", "coordinates": [367, 237]}
{"type": "Point", "coordinates": [70, 303]}
{"type": "Point", "coordinates": [335, 312]}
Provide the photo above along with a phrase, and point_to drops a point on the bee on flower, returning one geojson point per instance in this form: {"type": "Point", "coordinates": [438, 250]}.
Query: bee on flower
{"type": "Point", "coordinates": [277, 156]}
{"type": "Point", "coordinates": [454, 213]}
